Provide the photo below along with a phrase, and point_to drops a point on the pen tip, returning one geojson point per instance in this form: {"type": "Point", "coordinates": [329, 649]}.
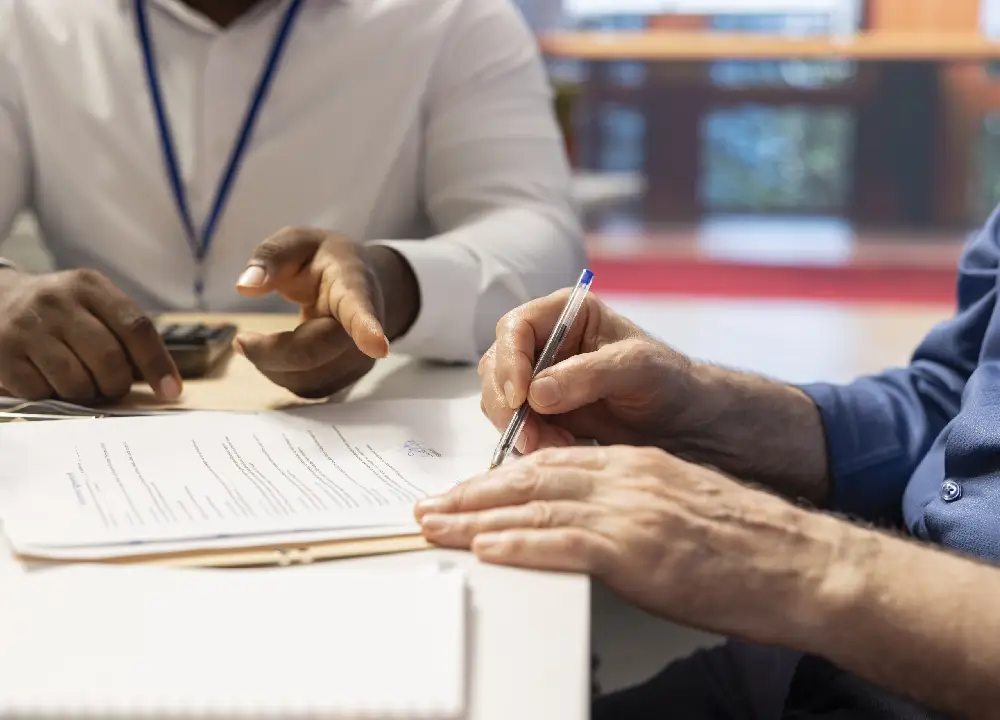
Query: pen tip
{"type": "Point", "coordinates": [493, 466]}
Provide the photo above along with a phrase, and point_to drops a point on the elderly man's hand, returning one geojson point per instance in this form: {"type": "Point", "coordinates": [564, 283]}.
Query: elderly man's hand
{"type": "Point", "coordinates": [611, 382]}
{"type": "Point", "coordinates": [676, 539]}
{"type": "Point", "coordinates": [352, 300]}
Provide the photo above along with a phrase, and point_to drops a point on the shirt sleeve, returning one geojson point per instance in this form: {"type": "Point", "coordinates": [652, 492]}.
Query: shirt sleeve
{"type": "Point", "coordinates": [496, 187]}
{"type": "Point", "coordinates": [879, 428]}
{"type": "Point", "coordinates": [14, 161]}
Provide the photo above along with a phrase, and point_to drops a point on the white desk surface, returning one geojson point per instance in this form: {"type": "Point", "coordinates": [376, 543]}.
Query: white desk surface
{"type": "Point", "coordinates": [531, 631]}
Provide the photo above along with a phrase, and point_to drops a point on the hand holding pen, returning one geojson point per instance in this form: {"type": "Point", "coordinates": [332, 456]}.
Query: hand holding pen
{"type": "Point", "coordinates": [609, 382]}
{"type": "Point", "coordinates": [549, 351]}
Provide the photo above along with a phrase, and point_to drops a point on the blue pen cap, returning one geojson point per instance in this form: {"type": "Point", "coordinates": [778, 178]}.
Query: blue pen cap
{"type": "Point", "coordinates": [586, 278]}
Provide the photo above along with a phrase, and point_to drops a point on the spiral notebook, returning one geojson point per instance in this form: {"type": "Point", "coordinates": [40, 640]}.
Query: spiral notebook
{"type": "Point", "coordinates": [309, 642]}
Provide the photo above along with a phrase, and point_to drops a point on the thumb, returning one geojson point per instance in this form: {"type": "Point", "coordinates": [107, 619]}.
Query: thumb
{"type": "Point", "coordinates": [584, 379]}
{"type": "Point", "coordinates": [277, 260]}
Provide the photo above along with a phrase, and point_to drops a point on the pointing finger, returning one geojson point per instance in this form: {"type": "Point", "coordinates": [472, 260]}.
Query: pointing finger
{"type": "Point", "coordinates": [345, 293]}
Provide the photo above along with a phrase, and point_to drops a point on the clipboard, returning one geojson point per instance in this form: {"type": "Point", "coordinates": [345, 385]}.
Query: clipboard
{"type": "Point", "coordinates": [280, 555]}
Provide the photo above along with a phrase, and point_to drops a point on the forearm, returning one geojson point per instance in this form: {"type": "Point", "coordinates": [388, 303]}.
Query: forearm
{"type": "Point", "coordinates": [899, 614]}
{"type": "Point", "coordinates": [467, 278]}
{"type": "Point", "coordinates": [755, 429]}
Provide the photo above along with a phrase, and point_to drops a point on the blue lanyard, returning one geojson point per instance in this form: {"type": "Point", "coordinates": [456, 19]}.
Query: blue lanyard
{"type": "Point", "coordinates": [200, 245]}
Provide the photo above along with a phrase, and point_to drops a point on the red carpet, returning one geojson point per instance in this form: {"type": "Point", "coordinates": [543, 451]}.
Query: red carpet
{"type": "Point", "coordinates": [699, 278]}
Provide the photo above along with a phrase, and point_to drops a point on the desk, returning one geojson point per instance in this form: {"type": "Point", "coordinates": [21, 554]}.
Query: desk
{"type": "Point", "coordinates": [236, 384]}
{"type": "Point", "coordinates": [531, 631]}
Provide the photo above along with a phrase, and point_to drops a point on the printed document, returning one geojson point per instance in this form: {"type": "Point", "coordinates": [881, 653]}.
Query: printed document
{"type": "Point", "coordinates": [208, 479]}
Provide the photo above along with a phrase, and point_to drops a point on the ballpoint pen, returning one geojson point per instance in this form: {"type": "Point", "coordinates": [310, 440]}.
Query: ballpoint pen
{"type": "Point", "coordinates": [565, 322]}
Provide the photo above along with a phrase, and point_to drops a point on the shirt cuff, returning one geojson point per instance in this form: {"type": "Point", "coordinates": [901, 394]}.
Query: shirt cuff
{"type": "Point", "coordinates": [864, 453]}
{"type": "Point", "coordinates": [448, 278]}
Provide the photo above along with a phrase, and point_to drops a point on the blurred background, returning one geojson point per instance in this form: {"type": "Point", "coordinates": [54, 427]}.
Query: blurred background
{"type": "Point", "coordinates": [721, 144]}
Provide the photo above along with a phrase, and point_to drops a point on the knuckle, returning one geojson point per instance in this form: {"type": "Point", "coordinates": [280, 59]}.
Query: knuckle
{"type": "Point", "coordinates": [647, 458]}
{"type": "Point", "coordinates": [575, 544]}
{"type": "Point", "coordinates": [109, 355]}
{"type": "Point", "coordinates": [552, 456]}
{"type": "Point", "coordinates": [486, 361]}
{"type": "Point", "coordinates": [643, 352]}
{"type": "Point", "coordinates": [558, 298]}
{"type": "Point", "coordinates": [88, 277]}
{"type": "Point", "coordinates": [513, 544]}
{"type": "Point", "coordinates": [20, 326]}
{"type": "Point", "coordinates": [50, 297]}
{"type": "Point", "coordinates": [139, 325]}
{"type": "Point", "coordinates": [540, 514]}
{"type": "Point", "coordinates": [524, 482]}
{"type": "Point", "coordinates": [58, 366]}
{"type": "Point", "coordinates": [509, 321]}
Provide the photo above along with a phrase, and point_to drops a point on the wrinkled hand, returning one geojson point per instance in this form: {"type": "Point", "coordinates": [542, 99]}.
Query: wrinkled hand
{"type": "Point", "coordinates": [75, 336]}
{"type": "Point", "coordinates": [611, 382]}
{"type": "Point", "coordinates": [342, 309]}
{"type": "Point", "coordinates": [676, 539]}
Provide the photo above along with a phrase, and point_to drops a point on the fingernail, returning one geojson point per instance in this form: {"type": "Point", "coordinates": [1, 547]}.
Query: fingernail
{"type": "Point", "coordinates": [545, 391]}
{"type": "Point", "coordinates": [508, 391]}
{"type": "Point", "coordinates": [238, 348]}
{"type": "Point", "coordinates": [386, 341]}
{"type": "Point", "coordinates": [253, 276]}
{"type": "Point", "coordinates": [435, 523]}
{"type": "Point", "coordinates": [169, 388]}
{"type": "Point", "coordinates": [427, 506]}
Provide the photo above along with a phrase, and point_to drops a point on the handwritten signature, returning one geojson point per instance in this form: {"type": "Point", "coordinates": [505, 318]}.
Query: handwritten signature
{"type": "Point", "coordinates": [415, 448]}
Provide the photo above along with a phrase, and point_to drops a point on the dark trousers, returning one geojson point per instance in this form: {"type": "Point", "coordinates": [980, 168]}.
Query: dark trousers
{"type": "Point", "coordinates": [735, 681]}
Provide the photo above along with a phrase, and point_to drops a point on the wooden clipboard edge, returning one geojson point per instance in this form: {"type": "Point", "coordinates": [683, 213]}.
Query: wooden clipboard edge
{"type": "Point", "coordinates": [260, 556]}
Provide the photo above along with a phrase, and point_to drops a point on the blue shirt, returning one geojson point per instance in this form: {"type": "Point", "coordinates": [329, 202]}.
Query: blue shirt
{"type": "Point", "coordinates": [923, 441]}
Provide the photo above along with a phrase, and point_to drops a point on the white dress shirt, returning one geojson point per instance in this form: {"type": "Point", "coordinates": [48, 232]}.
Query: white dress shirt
{"type": "Point", "coordinates": [425, 125]}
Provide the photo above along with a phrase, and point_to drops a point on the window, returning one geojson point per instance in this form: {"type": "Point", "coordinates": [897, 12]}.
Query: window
{"type": "Point", "coordinates": [780, 159]}
{"type": "Point", "coordinates": [758, 158]}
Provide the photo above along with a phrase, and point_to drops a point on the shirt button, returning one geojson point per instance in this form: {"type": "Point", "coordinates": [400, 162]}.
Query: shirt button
{"type": "Point", "coordinates": [950, 491]}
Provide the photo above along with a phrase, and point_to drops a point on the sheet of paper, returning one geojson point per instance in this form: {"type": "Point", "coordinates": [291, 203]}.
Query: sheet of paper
{"type": "Point", "coordinates": [326, 472]}
{"type": "Point", "coordinates": [142, 642]}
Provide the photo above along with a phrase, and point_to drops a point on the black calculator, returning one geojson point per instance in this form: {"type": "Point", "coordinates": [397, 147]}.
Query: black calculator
{"type": "Point", "coordinates": [197, 347]}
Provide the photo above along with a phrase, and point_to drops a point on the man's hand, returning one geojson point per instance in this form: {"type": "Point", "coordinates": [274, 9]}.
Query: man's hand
{"type": "Point", "coordinates": [676, 539]}
{"type": "Point", "coordinates": [75, 336]}
{"type": "Point", "coordinates": [611, 382]}
{"type": "Point", "coordinates": [690, 545]}
{"type": "Point", "coordinates": [349, 297]}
